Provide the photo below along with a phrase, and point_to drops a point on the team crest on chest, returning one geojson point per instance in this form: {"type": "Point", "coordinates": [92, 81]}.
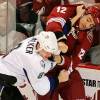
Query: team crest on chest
{"type": "Point", "coordinates": [42, 63]}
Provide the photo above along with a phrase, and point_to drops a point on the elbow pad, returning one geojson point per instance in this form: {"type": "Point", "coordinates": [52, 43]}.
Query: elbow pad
{"type": "Point", "coordinates": [42, 86]}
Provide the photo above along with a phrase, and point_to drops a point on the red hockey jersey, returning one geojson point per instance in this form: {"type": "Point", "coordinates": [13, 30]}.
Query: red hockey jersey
{"type": "Point", "coordinates": [79, 42]}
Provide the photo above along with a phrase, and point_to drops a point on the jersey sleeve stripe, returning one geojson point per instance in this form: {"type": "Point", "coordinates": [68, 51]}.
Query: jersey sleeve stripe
{"type": "Point", "coordinates": [57, 19]}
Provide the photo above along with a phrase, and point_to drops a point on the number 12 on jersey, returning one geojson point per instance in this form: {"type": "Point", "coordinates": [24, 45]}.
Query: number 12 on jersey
{"type": "Point", "coordinates": [61, 10]}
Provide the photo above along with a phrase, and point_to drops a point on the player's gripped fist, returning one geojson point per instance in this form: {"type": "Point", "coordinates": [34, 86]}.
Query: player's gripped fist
{"type": "Point", "coordinates": [58, 59]}
{"type": "Point", "coordinates": [63, 76]}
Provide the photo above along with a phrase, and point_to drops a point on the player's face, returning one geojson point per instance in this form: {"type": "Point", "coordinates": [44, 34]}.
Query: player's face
{"type": "Point", "coordinates": [45, 54]}
{"type": "Point", "coordinates": [86, 22]}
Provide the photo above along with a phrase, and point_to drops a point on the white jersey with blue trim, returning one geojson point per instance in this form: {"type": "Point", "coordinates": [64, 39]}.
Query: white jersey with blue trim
{"type": "Point", "coordinates": [24, 56]}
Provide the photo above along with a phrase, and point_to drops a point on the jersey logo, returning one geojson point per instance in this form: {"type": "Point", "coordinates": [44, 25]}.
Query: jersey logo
{"type": "Point", "coordinates": [42, 63]}
{"type": "Point", "coordinates": [40, 75]}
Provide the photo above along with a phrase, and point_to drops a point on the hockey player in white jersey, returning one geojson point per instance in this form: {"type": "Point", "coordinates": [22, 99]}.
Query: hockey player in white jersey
{"type": "Point", "coordinates": [29, 61]}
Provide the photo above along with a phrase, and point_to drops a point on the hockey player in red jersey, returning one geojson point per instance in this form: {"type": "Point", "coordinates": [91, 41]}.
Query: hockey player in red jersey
{"type": "Point", "coordinates": [79, 41]}
{"type": "Point", "coordinates": [81, 32]}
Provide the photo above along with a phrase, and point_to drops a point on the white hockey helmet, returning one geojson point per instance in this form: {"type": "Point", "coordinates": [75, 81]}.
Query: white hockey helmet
{"type": "Point", "coordinates": [48, 42]}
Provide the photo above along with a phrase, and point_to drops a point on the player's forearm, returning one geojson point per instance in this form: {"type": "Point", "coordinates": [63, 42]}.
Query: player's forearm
{"type": "Point", "coordinates": [79, 12]}
{"type": "Point", "coordinates": [74, 19]}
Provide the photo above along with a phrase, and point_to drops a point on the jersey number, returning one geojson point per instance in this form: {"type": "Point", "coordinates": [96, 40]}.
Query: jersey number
{"type": "Point", "coordinates": [81, 54]}
{"type": "Point", "coordinates": [61, 9]}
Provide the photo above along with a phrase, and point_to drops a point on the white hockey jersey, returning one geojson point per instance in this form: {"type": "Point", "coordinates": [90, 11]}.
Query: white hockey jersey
{"type": "Point", "coordinates": [24, 57]}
